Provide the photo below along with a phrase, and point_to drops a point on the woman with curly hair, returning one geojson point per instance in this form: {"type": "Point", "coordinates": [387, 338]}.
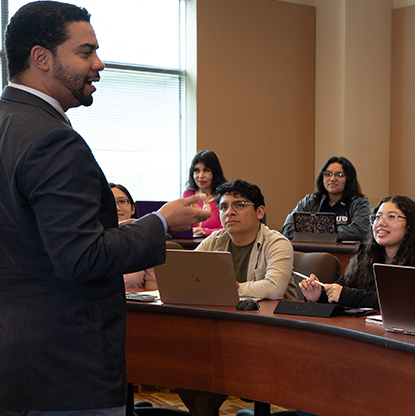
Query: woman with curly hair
{"type": "Point", "coordinates": [392, 241]}
{"type": "Point", "coordinates": [338, 191]}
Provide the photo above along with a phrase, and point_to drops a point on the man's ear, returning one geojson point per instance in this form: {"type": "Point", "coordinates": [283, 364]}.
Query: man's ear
{"type": "Point", "coordinates": [260, 212]}
{"type": "Point", "coordinates": [40, 57]}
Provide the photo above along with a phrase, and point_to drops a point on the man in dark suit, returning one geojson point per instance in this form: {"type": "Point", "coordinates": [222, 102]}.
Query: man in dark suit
{"type": "Point", "coordinates": [62, 255]}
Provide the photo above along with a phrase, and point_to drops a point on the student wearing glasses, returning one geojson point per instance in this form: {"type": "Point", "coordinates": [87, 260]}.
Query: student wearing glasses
{"type": "Point", "coordinates": [144, 279]}
{"type": "Point", "coordinates": [392, 241]}
{"type": "Point", "coordinates": [338, 191]}
{"type": "Point", "coordinates": [262, 258]}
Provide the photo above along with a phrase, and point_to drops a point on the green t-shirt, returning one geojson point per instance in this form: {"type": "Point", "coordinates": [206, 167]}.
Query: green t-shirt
{"type": "Point", "coordinates": [240, 257]}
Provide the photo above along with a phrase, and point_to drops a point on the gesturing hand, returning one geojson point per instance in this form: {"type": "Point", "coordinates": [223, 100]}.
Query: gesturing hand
{"type": "Point", "coordinates": [183, 213]}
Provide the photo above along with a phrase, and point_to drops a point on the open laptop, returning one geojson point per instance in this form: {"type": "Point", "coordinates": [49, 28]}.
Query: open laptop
{"type": "Point", "coordinates": [197, 278]}
{"type": "Point", "coordinates": [316, 227]}
{"type": "Point", "coordinates": [395, 286]}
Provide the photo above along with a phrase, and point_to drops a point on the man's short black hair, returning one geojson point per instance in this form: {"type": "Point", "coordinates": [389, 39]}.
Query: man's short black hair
{"type": "Point", "coordinates": [42, 23]}
{"type": "Point", "coordinates": [250, 191]}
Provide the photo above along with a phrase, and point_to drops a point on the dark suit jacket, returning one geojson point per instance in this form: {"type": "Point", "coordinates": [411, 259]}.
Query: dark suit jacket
{"type": "Point", "coordinates": [62, 256]}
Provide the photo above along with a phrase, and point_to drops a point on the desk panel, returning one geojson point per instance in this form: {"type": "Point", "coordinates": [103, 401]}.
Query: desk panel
{"type": "Point", "coordinates": [327, 366]}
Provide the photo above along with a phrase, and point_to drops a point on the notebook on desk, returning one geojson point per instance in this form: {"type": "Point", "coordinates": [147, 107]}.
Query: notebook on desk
{"type": "Point", "coordinates": [395, 286]}
{"type": "Point", "coordinates": [197, 278]}
{"type": "Point", "coordinates": [316, 227]}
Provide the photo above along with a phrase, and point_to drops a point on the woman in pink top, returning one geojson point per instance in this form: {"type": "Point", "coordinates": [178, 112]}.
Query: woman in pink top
{"type": "Point", "coordinates": [144, 279]}
{"type": "Point", "coordinates": [205, 175]}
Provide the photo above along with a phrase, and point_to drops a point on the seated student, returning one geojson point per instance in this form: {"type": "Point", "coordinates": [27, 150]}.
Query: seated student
{"type": "Point", "coordinates": [263, 261]}
{"type": "Point", "coordinates": [144, 279]}
{"type": "Point", "coordinates": [338, 191]}
{"type": "Point", "coordinates": [205, 175]}
{"type": "Point", "coordinates": [392, 242]}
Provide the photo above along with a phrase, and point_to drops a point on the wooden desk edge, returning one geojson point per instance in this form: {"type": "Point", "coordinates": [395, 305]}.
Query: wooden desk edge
{"type": "Point", "coordinates": [294, 322]}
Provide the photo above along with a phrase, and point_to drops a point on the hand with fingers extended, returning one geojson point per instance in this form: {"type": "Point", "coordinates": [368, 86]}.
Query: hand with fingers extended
{"type": "Point", "coordinates": [183, 213]}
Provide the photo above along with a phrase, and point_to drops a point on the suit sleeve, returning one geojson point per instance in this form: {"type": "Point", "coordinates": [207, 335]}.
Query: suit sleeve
{"type": "Point", "coordinates": [74, 211]}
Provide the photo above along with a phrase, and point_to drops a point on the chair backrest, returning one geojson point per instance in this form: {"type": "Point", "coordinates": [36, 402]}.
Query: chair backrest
{"type": "Point", "coordinates": [324, 265]}
{"type": "Point", "coordinates": [173, 244]}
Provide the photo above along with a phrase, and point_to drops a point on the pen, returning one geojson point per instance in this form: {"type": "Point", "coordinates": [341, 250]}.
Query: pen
{"type": "Point", "coordinates": [308, 278]}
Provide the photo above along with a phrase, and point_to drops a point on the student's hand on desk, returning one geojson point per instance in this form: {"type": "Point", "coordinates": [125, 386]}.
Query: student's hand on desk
{"type": "Point", "coordinates": [311, 289]}
{"type": "Point", "coordinates": [333, 292]}
{"type": "Point", "coordinates": [198, 231]}
{"type": "Point", "coordinates": [181, 214]}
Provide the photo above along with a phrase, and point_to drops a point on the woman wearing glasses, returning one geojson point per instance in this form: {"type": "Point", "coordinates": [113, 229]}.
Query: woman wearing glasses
{"type": "Point", "coordinates": [338, 191]}
{"type": "Point", "coordinates": [392, 241]}
{"type": "Point", "coordinates": [126, 211]}
{"type": "Point", "coordinates": [205, 175]}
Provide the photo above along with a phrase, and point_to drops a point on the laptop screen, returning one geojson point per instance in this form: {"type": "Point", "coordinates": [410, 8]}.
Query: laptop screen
{"type": "Point", "coordinates": [315, 222]}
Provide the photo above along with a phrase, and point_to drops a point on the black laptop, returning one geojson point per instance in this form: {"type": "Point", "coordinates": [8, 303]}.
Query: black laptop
{"type": "Point", "coordinates": [395, 286]}
{"type": "Point", "coordinates": [315, 227]}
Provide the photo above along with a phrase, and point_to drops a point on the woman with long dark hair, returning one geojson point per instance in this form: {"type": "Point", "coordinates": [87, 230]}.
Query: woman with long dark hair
{"type": "Point", "coordinates": [205, 175]}
{"type": "Point", "coordinates": [392, 241]}
{"type": "Point", "coordinates": [338, 191]}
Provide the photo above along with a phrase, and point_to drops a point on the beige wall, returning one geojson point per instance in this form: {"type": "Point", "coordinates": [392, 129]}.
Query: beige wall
{"type": "Point", "coordinates": [255, 95]}
{"type": "Point", "coordinates": [365, 90]}
{"type": "Point", "coordinates": [402, 149]}
{"type": "Point", "coordinates": [354, 104]}
{"type": "Point", "coordinates": [353, 64]}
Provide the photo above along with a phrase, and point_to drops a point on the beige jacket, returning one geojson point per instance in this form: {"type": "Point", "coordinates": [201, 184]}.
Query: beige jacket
{"type": "Point", "coordinates": [270, 266]}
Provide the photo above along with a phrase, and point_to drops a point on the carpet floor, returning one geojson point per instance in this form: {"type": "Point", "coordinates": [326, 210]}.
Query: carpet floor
{"type": "Point", "coordinates": [167, 397]}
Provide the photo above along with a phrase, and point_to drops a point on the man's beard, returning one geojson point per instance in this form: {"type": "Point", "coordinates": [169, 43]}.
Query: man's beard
{"type": "Point", "coordinates": [74, 83]}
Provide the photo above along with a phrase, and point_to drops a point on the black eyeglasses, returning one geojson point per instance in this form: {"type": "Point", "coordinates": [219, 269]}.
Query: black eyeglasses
{"type": "Point", "coordinates": [236, 206]}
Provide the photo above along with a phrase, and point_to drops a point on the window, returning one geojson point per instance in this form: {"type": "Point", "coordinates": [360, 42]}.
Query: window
{"type": "Point", "coordinates": [135, 126]}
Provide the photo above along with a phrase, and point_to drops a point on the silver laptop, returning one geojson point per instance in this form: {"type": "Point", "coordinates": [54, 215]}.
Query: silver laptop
{"type": "Point", "coordinates": [395, 286]}
{"type": "Point", "coordinates": [197, 278]}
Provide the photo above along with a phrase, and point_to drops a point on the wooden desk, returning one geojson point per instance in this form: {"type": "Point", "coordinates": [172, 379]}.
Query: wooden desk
{"type": "Point", "coordinates": [329, 366]}
{"type": "Point", "coordinates": [343, 252]}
